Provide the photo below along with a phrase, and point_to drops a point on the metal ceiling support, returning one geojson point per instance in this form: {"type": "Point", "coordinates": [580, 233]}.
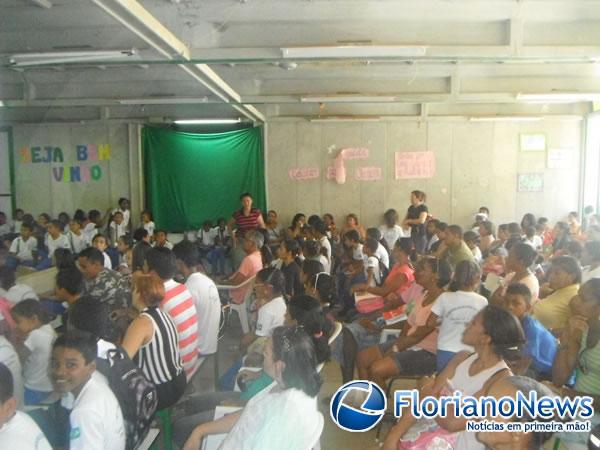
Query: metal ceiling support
{"type": "Point", "coordinates": [137, 19]}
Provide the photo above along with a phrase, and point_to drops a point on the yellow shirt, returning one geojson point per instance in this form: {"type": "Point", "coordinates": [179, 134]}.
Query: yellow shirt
{"type": "Point", "coordinates": [553, 311]}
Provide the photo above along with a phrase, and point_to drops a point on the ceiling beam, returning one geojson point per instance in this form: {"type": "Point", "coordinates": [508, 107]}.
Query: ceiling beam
{"type": "Point", "coordinates": [132, 15]}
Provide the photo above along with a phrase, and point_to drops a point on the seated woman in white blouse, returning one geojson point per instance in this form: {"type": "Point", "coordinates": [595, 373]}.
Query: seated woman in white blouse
{"type": "Point", "coordinates": [273, 418]}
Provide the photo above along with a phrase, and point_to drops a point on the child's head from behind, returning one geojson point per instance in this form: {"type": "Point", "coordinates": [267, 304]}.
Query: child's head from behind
{"type": "Point", "coordinates": [69, 284]}
{"type": "Point", "coordinates": [73, 362]}
{"type": "Point", "coordinates": [8, 401]}
{"type": "Point", "coordinates": [403, 251]}
{"type": "Point", "coordinates": [390, 218]}
{"type": "Point", "coordinates": [466, 276]}
{"type": "Point", "coordinates": [351, 239]}
{"type": "Point", "coordinates": [95, 216]}
{"type": "Point", "coordinates": [99, 242]}
{"type": "Point", "coordinates": [518, 300]}
{"type": "Point", "coordinates": [311, 249]}
{"type": "Point", "coordinates": [29, 315]}
{"type": "Point", "coordinates": [471, 239]}
{"type": "Point", "coordinates": [310, 267]}
{"type": "Point", "coordinates": [370, 246]}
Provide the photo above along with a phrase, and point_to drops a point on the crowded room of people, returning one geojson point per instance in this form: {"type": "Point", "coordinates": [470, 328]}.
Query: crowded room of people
{"type": "Point", "coordinates": [299, 224]}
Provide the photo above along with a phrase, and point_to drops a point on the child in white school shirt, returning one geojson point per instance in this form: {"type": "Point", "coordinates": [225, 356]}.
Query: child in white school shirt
{"type": "Point", "coordinates": [55, 238]}
{"type": "Point", "coordinates": [77, 238]}
{"type": "Point", "coordinates": [24, 247]}
{"type": "Point", "coordinates": [17, 429]}
{"type": "Point", "coordinates": [147, 223]}
{"type": "Point", "coordinates": [100, 243]}
{"type": "Point", "coordinates": [117, 227]}
{"type": "Point", "coordinates": [96, 418]}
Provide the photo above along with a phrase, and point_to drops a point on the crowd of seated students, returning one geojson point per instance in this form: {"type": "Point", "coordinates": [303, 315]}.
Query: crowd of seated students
{"type": "Point", "coordinates": [471, 300]}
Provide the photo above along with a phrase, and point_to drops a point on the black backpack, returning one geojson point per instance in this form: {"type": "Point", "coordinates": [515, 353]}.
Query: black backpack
{"type": "Point", "coordinates": [136, 395]}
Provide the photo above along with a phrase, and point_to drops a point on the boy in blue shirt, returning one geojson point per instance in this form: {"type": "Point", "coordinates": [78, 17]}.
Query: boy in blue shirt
{"type": "Point", "coordinates": [540, 349]}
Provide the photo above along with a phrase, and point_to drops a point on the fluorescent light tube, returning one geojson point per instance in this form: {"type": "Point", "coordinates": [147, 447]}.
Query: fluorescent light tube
{"type": "Point", "coordinates": [35, 59]}
{"type": "Point", "coordinates": [348, 99]}
{"type": "Point", "coordinates": [162, 101]}
{"type": "Point", "coordinates": [505, 119]}
{"type": "Point", "coordinates": [42, 3]}
{"type": "Point", "coordinates": [353, 51]}
{"type": "Point", "coordinates": [205, 121]}
{"type": "Point", "coordinates": [1, 103]}
{"type": "Point", "coordinates": [559, 97]}
{"type": "Point", "coordinates": [335, 119]}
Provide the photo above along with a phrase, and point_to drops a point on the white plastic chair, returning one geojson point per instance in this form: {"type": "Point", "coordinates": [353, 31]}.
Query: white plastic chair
{"type": "Point", "coordinates": [242, 308]}
{"type": "Point", "coordinates": [337, 329]}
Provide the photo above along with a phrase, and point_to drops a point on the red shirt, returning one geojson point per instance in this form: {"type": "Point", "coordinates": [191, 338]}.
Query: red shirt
{"type": "Point", "coordinates": [246, 223]}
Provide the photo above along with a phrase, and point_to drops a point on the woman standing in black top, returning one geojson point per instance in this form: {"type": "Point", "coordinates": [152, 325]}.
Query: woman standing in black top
{"type": "Point", "coordinates": [416, 216]}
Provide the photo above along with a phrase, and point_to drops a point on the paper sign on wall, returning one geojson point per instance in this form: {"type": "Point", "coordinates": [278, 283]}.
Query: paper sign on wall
{"type": "Point", "coordinates": [355, 153]}
{"type": "Point", "coordinates": [533, 142]}
{"type": "Point", "coordinates": [368, 173]}
{"type": "Point", "coordinates": [559, 158]}
{"type": "Point", "coordinates": [530, 182]}
{"type": "Point", "coordinates": [303, 173]}
{"type": "Point", "coordinates": [414, 165]}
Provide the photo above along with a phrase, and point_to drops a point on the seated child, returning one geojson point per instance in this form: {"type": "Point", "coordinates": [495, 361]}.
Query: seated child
{"type": "Point", "coordinates": [125, 248]}
{"type": "Point", "coordinates": [471, 238]}
{"type": "Point", "coordinates": [10, 290]}
{"type": "Point", "coordinates": [99, 242]}
{"type": "Point", "coordinates": [77, 238]}
{"type": "Point", "coordinates": [96, 419]}
{"type": "Point", "coordinates": [540, 349]}
{"type": "Point", "coordinates": [36, 336]}
{"type": "Point", "coordinates": [160, 239]}
{"type": "Point", "coordinates": [372, 263]}
{"type": "Point", "coordinates": [147, 222]}
{"type": "Point", "coordinates": [24, 247]}
{"type": "Point", "coordinates": [117, 227]}
{"type": "Point", "coordinates": [17, 428]}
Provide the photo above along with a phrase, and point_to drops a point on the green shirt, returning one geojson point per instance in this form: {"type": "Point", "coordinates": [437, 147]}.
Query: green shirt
{"type": "Point", "coordinates": [459, 253]}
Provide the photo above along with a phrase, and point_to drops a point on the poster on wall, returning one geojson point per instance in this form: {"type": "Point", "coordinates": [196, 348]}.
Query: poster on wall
{"type": "Point", "coordinates": [559, 158]}
{"type": "Point", "coordinates": [368, 174]}
{"type": "Point", "coordinates": [68, 166]}
{"type": "Point", "coordinates": [530, 182]}
{"type": "Point", "coordinates": [414, 165]}
{"type": "Point", "coordinates": [535, 142]}
{"type": "Point", "coordinates": [303, 173]}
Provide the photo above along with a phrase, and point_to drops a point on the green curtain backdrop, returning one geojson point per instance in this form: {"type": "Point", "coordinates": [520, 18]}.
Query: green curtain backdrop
{"type": "Point", "coordinates": [193, 177]}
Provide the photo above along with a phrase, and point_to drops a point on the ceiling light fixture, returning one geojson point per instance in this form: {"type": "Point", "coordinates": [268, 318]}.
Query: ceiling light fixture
{"type": "Point", "coordinates": [353, 51]}
{"type": "Point", "coordinates": [206, 121]}
{"type": "Point", "coordinates": [162, 101]}
{"type": "Point", "coordinates": [43, 58]}
{"type": "Point", "coordinates": [348, 99]}
{"type": "Point", "coordinates": [42, 3]}
{"type": "Point", "coordinates": [335, 119]}
{"type": "Point", "coordinates": [505, 119]}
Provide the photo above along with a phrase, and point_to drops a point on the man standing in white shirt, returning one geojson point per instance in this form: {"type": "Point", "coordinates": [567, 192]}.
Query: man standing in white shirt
{"type": "Point", "coordinates": [17, 429]}
{"type": "Point", "coordinates": [96, 419]}
{"type": "Point", "coordinates": [205, 295]}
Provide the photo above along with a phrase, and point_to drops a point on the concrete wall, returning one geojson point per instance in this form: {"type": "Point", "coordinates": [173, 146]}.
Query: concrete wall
{"type": "Point", "coordinates": [477, 164]}
{"type": "Point", "coordinates": [38, 190]}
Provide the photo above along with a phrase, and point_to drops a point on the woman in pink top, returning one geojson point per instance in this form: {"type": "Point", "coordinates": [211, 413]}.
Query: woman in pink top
{"type": "Point", "coordinates": [520, 258]}
{"type": "Point", "coordinates": [250, 266]}
{"type": "Point", "coordinates": [400, 278]}
{"type": "Point", "coordinates": [413, 353]}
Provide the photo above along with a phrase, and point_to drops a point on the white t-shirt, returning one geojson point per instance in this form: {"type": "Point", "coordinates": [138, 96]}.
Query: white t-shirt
{"type": "Point", "coordinates": [455, 310]}
{"type": "Point", "coordinates": [23, 249]}
{"type": "Point", "coordinates": [324, 241]}
{"type": "Point", "coordinates": [373, 263]}
{"type": "Point", "coordinates": [107, 261]}
{"type": "Point", "coordinates": [273, 419]}
{"type": "Point", "coordinates": [149, 227]}
{"type": "Point", "coordinates": [22, 433]}
{"type": "Point", "coordinates": [477, 256]}
{"type": "Point", "coordinates": [96, 419]}
{"type": "Point", "coordinates": [536, 242]}
{"type": "Point", "coordinates": [90, 231]}
{"type": "Point", "coordinates": [126, 215]}
{"type": "Point", "coordinates": [79, 242]}
{"type": "Point", "coordinates": [270, 316]}
{"type": "Point", "coordinates": [5, 229]}
{"type": "Point", "coordinates": [391, 235]}
{"type": "Point", "coordinates": [61, 241]}
{"type": "Point", "coordinates": [116, 231]}
{"type": "Point", "coordinates": [18, 293]}
{"type": "Point", "coordinates": [383, 255]}
{"type": "Point", "coordinates": [9, 357]}
{"type": "Point", "coordinates": [35, 370]}
{"type": "Point", "coordinates": [208, 307]}
{"type": "Point", "coordinates": [207, 238]}
{"type": "Point", "coordinates": [325, 262]}
{"type": "Point", "coordinates": [587, 274]}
